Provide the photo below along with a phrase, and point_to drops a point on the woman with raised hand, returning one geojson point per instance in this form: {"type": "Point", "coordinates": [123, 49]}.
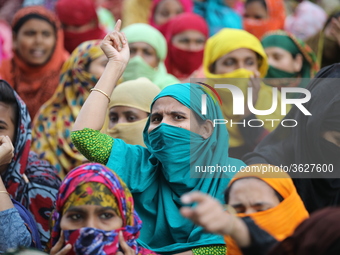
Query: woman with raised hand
{"type": "Point", "coordinates": [160, 173]}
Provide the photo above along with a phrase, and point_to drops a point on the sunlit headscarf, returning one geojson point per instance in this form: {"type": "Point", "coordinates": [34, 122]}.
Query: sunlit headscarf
{"type": "Point", "coordinates": [137, 94]}
{"type": "Point", "coordinates": [54, 121]}
{"type": "Point", "coordinates": [95, 184]}
{"type": "Point", "coordinates": [187, 6]}
{"type": "Point", "coordinates": [281, 220]}
{"type": "Point", "coordinates": [276, 19]}
{"type": "Point", "coordinates": [217, 47]}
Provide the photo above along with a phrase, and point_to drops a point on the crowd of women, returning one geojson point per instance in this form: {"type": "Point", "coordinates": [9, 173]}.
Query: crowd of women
{"type": "Point", "coordinates": [106, 147]}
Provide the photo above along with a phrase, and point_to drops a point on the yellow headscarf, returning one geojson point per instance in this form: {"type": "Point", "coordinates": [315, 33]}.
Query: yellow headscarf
{"type": "Point", "coordinates": [137, 94]}
{"type": "Point", "coordinates": [222, 43]}
{"type": "Point", "coordinates": [52, 126]}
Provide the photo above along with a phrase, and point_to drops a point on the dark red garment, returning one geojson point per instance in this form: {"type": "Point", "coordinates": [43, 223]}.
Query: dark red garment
{"type": "Point", "coordinates": [72, 39]}
{"type": "Point", "coordinates": [181, 63]}
{"type": "Point", "coordinates": [320, 234]}
{"type": "Point", "coordinates": [187, 8]}
{"type": "Point", "coordinates": [78, 13]}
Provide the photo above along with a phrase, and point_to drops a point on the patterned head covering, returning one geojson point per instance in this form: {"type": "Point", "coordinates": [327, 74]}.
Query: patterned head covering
{"type": "Point", "coordinates": [94, 183]}
{"type": "Point", "coordinates": [53, 124]}
{"type": "Point", "coordinates": [32, 182]}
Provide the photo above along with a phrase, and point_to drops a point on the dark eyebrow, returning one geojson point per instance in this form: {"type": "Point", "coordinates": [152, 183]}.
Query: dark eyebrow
{"type": "Point", "coordinates": [76, 209]}
{"type": "Point", "coordinates": [4, 123]}
{"type": "Point", "coordinates": [237, 205]}
{"type": "Point", "coordinates": [178, 112]}
{"type": "Point", "coordinates": [128, 112]}
{"type": "Point", "coordinates": [101, 209]}
{"type": "Point", "coordinates": [260, 204]}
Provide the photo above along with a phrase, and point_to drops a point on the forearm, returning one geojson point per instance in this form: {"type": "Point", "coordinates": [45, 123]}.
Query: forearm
{"type": "Point", "coordinates": [5, 199]}
{"type": "Point", "coordinates": [240, 233]}
{"type": "Point", "coordinates": [92, 113]}
{"type": "Point", "coordinates": [13, 232]}
{"type": "Point", "coordinates": [94, 145]}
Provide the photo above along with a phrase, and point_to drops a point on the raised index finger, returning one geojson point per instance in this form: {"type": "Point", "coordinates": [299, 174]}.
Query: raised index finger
{"type": "Point", "coordinates": [118, 26]}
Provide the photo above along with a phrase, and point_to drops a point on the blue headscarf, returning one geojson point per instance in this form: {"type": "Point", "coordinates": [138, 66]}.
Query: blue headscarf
{"type": "Point", "coordinates": [218, 15]}
{"type": "Point", "coordinates": [161, 173]}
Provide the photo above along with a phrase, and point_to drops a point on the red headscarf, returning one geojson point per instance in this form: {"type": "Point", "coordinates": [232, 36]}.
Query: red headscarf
{"type": "Point", "coordinates": [187, 7]}
{"type": "Point", "coordinates": [35, 84]}
{"type": "Point", "coordinates": [275, 21]}
{"type": "Point", "coordinates": [78, 13]}
{"type": "Point", "coordinates": [181, 63]}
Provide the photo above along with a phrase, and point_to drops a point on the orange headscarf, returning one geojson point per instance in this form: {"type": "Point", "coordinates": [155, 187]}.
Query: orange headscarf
{"type": "Point", "coordinates": [281, 220]}
{"type": "Point", "coordinates": [35, 84]}
{"type": "Point", "coordinates": [276, 19]}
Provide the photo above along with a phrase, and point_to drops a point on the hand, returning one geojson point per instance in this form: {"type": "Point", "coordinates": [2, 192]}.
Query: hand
{"type": "Point", "coordinates": [209, 213]}
{"type": "Point", "coordinates": [335, 29]}
{"type": "Point", "coordinates": [185, 253]}
{"type": "Point", "coordinates": [6, 150]}
{"type": "Point", "coordinates": [127, 250]}
{"type": "Point", "coordinates": [115, 45]}
{"type": "Point", "coordinates": [58, 249]}
{"type": "Point", "coordinates": [254, 83]}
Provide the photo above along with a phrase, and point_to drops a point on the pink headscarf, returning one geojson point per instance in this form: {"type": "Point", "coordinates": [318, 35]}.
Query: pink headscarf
{"type": "Point", "coordinates": [308, 19]}
{"type": "Point", "coordinates": [187, 7]}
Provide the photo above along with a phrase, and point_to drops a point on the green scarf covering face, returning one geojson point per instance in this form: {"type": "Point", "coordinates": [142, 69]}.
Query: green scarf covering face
{"type": "Point", "coordinates": [294, 46]}
{"type": "Point", "coordinates": [137, 67]}
{"type": "Point", "coordinates": [169, 164]}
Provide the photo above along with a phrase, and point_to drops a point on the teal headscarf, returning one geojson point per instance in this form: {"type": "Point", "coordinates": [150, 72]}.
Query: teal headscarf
{"type": "Point", "coordinates": [180, 152]}
{"type": "Point", "coordinates": [161, 173]}
{"type": "Point", "coordinates": [137, 67]}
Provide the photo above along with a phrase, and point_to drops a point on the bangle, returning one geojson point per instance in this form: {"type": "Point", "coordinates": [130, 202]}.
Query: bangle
{"type": "Point", "coordinates": [2, 191]}
{"type": "Point", "coordinates": [102, 92]}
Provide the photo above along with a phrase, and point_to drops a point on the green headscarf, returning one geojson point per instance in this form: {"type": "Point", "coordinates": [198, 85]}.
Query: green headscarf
{"type": "Point", "coordinates": [137, 67]}
{"type": "Point", "coordinates": [165, 170]}
{"type": "Point", "coordinates": [295, 46]}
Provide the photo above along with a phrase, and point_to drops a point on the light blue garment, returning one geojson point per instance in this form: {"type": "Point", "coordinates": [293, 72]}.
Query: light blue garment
{"type": "Point", "coordinates": [218, 15]}
{"type": "Point", "coordinates": [160, 174]}
{"type": "Point", "coordinates": [13, 232]}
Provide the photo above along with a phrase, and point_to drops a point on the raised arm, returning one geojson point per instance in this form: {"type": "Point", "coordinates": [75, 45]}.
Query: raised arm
{"type": "Point", "coordinates": [115, 47]}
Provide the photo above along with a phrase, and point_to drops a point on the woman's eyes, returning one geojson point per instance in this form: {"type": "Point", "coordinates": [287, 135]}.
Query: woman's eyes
{"type": "Point", "coordinates": [75, 216]}
{"type": "Point", "coordinates": [229, 62]}
{"type": "Point", "coordinates": [131, 118]}
{"type": "Point", "coordinates": [179, 117]}
{"type": "Point", "coordinates": [156, 119]}
{"type": "Point", "coordinates": [106, 216]}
